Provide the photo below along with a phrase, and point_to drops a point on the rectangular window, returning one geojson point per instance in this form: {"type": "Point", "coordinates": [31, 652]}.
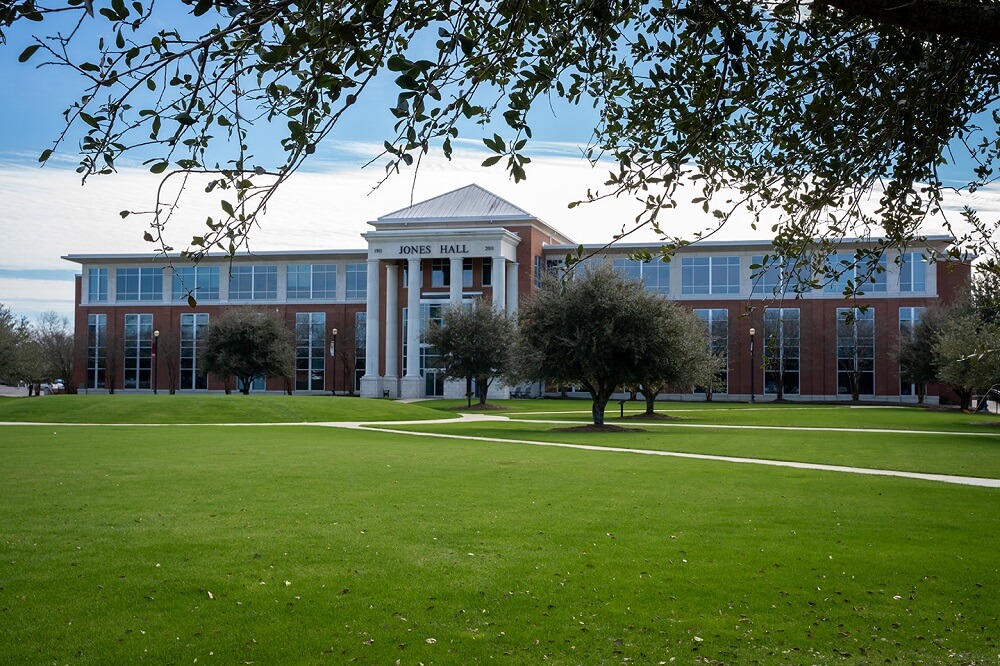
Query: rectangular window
{"type": "Point", "coordinates": [717, 320]}
{"type": "Point", "coordinates": [466, 273]}
{"type": "Point", "coordinates": [97, 350]}
{"type": "Point", "coordinates": [908, 320]}
{"type": "Point", "coordinates": [866, 275]}
{"type": "Point", "coordinates": [194, 331]}
{"type": "Point", "coordinates": [315, 281]}
{"type": "Point", "coordinates": [253, 283]}
{"type": "Point", "coordinates": [782, 335]}
{"type": "Point", "coordinates": [538, 272]}
{"type": "Point", "coordinates": [487, 272]}
{"type": "Point", "coordinates": [655, 275]}
{"type": "Point", "coordinates": [772, 279]}
{"type": "Point", "coordinates": [360, 345]}
{"type": "Point", "coordinates": [855, 351]}
{"type": "Point", "coordinates": [97, 285]}
{"type": "Point", "coordinates": [138, 351]}
{"type": "Point", "coordinates": [310, 351]}
{"type": "Point", "coordinates": [202, 282]}
{"type": "Point", "coordinates": [710, 275]}
{"type": "Point", "coordinates": [912, 273]}
{"type": "Point", "coordinates": [440, 273]}
{"type": "Point", "coordinates": [357, 282]}
{"type": "Point", "coordinates": [139, 284]}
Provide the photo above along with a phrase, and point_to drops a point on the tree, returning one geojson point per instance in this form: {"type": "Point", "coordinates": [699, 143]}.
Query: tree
{"type": "Point", "coordinates": [54, 335]}
{"type": "Point", "coordinates": [803, 112]}
{"type": "Point", "coordinates": [248, 343]}
{"type": "Point", "coordinates": [473, 342]}
{"type": "Point", "coordinates": [114, 353]}
{"type": "Point", "coordinates": [965, 349]}
{"type": "Point", "coordinates": [14, 333]}
{"type": "Point", "coordinates": [168, 348]}
{"type": "Point", "coordinates": [600, 331]}
{"type": "Point", "coordinates": [918, 362]}
{"type": "Point", "coordinates": [685, 358]}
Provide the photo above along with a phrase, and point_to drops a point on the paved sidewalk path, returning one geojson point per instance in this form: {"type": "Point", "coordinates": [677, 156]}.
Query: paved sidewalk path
{"type": "Point", "coordinates": [391, 427]}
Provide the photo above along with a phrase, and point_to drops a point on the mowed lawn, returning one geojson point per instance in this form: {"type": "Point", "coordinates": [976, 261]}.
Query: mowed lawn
{"type": "Point", "coordinates": [309, 544]}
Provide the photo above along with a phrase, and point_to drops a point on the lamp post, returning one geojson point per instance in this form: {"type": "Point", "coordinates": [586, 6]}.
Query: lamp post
{"type": "Point", "coordinates": [753, 332]}
{"type": "Point", "coordinates": [333, 357]}
{"type": "Point", "coordinates": [156, 339]}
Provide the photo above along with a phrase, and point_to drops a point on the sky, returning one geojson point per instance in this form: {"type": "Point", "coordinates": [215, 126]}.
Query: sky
{"type": "Point", "coordinates": [45, 213]}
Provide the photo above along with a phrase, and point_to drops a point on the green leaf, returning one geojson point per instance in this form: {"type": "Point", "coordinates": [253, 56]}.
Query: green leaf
{"type": "Point", "coordinates": [159, 167]}
{"type": "Point", "coordinates": [228, 207]}
{"type": "Point", "coordinates": [490, 161]}
{"type": "Point", "coordinates": [28, 52]}
{"type": "Point", "coordinates": [46, 154]}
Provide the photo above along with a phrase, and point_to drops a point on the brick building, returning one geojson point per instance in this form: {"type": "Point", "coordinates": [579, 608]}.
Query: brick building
{"type": "Point", "coordinates": [133, 316]}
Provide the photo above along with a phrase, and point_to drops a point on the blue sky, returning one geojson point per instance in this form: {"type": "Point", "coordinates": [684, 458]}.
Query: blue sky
{"type": "Point", "coordinates": [44, 213]}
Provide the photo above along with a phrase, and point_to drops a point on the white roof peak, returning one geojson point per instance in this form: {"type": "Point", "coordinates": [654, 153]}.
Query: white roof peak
{"type": "Point", "coordinates": [471, 203]}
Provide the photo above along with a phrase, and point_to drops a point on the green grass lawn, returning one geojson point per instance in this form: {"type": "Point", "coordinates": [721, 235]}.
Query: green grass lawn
{"type": "Point", "coordinates": [947, 453]}
{"type": "Point", "coordinates": [305, 544]}
{"type": "Point", "coordinates": [789, 414]}
{"type": "Point", "coordinates": [207, 408]}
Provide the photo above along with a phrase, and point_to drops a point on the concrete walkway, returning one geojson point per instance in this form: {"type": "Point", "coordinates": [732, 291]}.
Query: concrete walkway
{"type": "Point", "coordinates": [392, 427]}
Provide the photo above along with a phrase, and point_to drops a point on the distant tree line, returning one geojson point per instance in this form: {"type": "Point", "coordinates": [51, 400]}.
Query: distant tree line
{"type": "Point", "coordinates": [35, 353]}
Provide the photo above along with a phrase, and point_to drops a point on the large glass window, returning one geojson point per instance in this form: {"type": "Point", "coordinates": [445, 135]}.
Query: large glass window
{"type": "Point", "coordinates": [310, 351]}
{"type": "Point", "coordinates": [782, 336]}
{"type": "Point", "coordinates": [488, 272]}
{"type": "Point", "coordinates": [253, 283]}
{"type": "Point", "coordinates": [97, 285]}
{"type": "Point", "coordinates": [538, 272]}
{"type": "Point", "coordinates": [654, 274]}
{"type": "Point", "coordinates": [466, 273]}
{"type": "Point", "coordinates": [138, 351]}
{"type": "Point", "coordinates": [194, 331]}
{"type": "Point", "coordinates": [357, 282]}
{"type": "Point", "coordinates": [855, 351]}
{"type": "Point", "coordinates": [912, 273]}
{"type": "Point", "coordinates": [717, 320]}
{"type": "Point", "coordinates": [433, 379]}
{"type": "Point", "coordinates": [867, 275]}
{"type": "Point", "coordinates": [360, 346]}
{"type": "Point", "coordinates": [202, 282]}
{"type": "Point", "coordinates": [139, 284]}
{"type": "Point", "coordinates": [710, 275]}
{"type": "Point", "coordinates": [315, 281]}
{"type": "Point", "coordinates": [772, 279]}
{"type": "Point", "coordinates": [908, 320]}
{"type": "Point", "coordinates": [97, 350]}
{"type": "Point", "coordinates": [440, 273]}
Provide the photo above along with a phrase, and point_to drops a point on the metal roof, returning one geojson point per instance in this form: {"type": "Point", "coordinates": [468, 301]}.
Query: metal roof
{"type": "Point", "coordinates": [471, 202]}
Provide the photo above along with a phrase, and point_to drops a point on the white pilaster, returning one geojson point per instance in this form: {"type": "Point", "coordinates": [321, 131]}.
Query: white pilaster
{"type": "Point", "coordinates": [512, 303]}
{"type": "Point", "coordinates": [411, 386]}
{"type": "Point", "coordinates": [499, 283]}
{"type": "Point", "coordinates": [455, 290]}
{"type": "Point", "coordinates": [391, 329]}
{"type": "Point", "coordinates": [371, 387]}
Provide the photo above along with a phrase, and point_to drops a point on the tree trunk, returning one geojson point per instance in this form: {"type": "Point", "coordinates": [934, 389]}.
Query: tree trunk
{"type": "Point", "coordinates": [650, 402]}
{"type": "Point", "coordinates": [597, 410]}
{"type": "Point", "coordinates": [965, 397]}
{"type": "Point", "coordinates": [483, 389]}
{"type": "Point", "coordinates": [921, 392]}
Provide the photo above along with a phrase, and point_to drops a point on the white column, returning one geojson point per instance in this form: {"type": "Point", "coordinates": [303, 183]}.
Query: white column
{"type": "Point", "coordinates": [499, 283]}
{"type": "Point", "coordinates": [411, 386]}
{"type": "Point", "coordinates": [391, 327]}
{"type": "Point", "coordinates": [371, 387]}
{"type": "Point", "coordinates": [455, 291]}
{"type": "Point", "coordinates": [512, 303]}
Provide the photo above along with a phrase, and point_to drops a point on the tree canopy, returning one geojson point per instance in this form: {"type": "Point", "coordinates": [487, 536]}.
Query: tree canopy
{"type": "Point", "coordinates": [601, 331]}
{"type": "Point", "coordinates": [799, 111]}
{"type": "Point", "coordinates": [473, 342]}
{"type": "Point", "coordinates": [248, 343]}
